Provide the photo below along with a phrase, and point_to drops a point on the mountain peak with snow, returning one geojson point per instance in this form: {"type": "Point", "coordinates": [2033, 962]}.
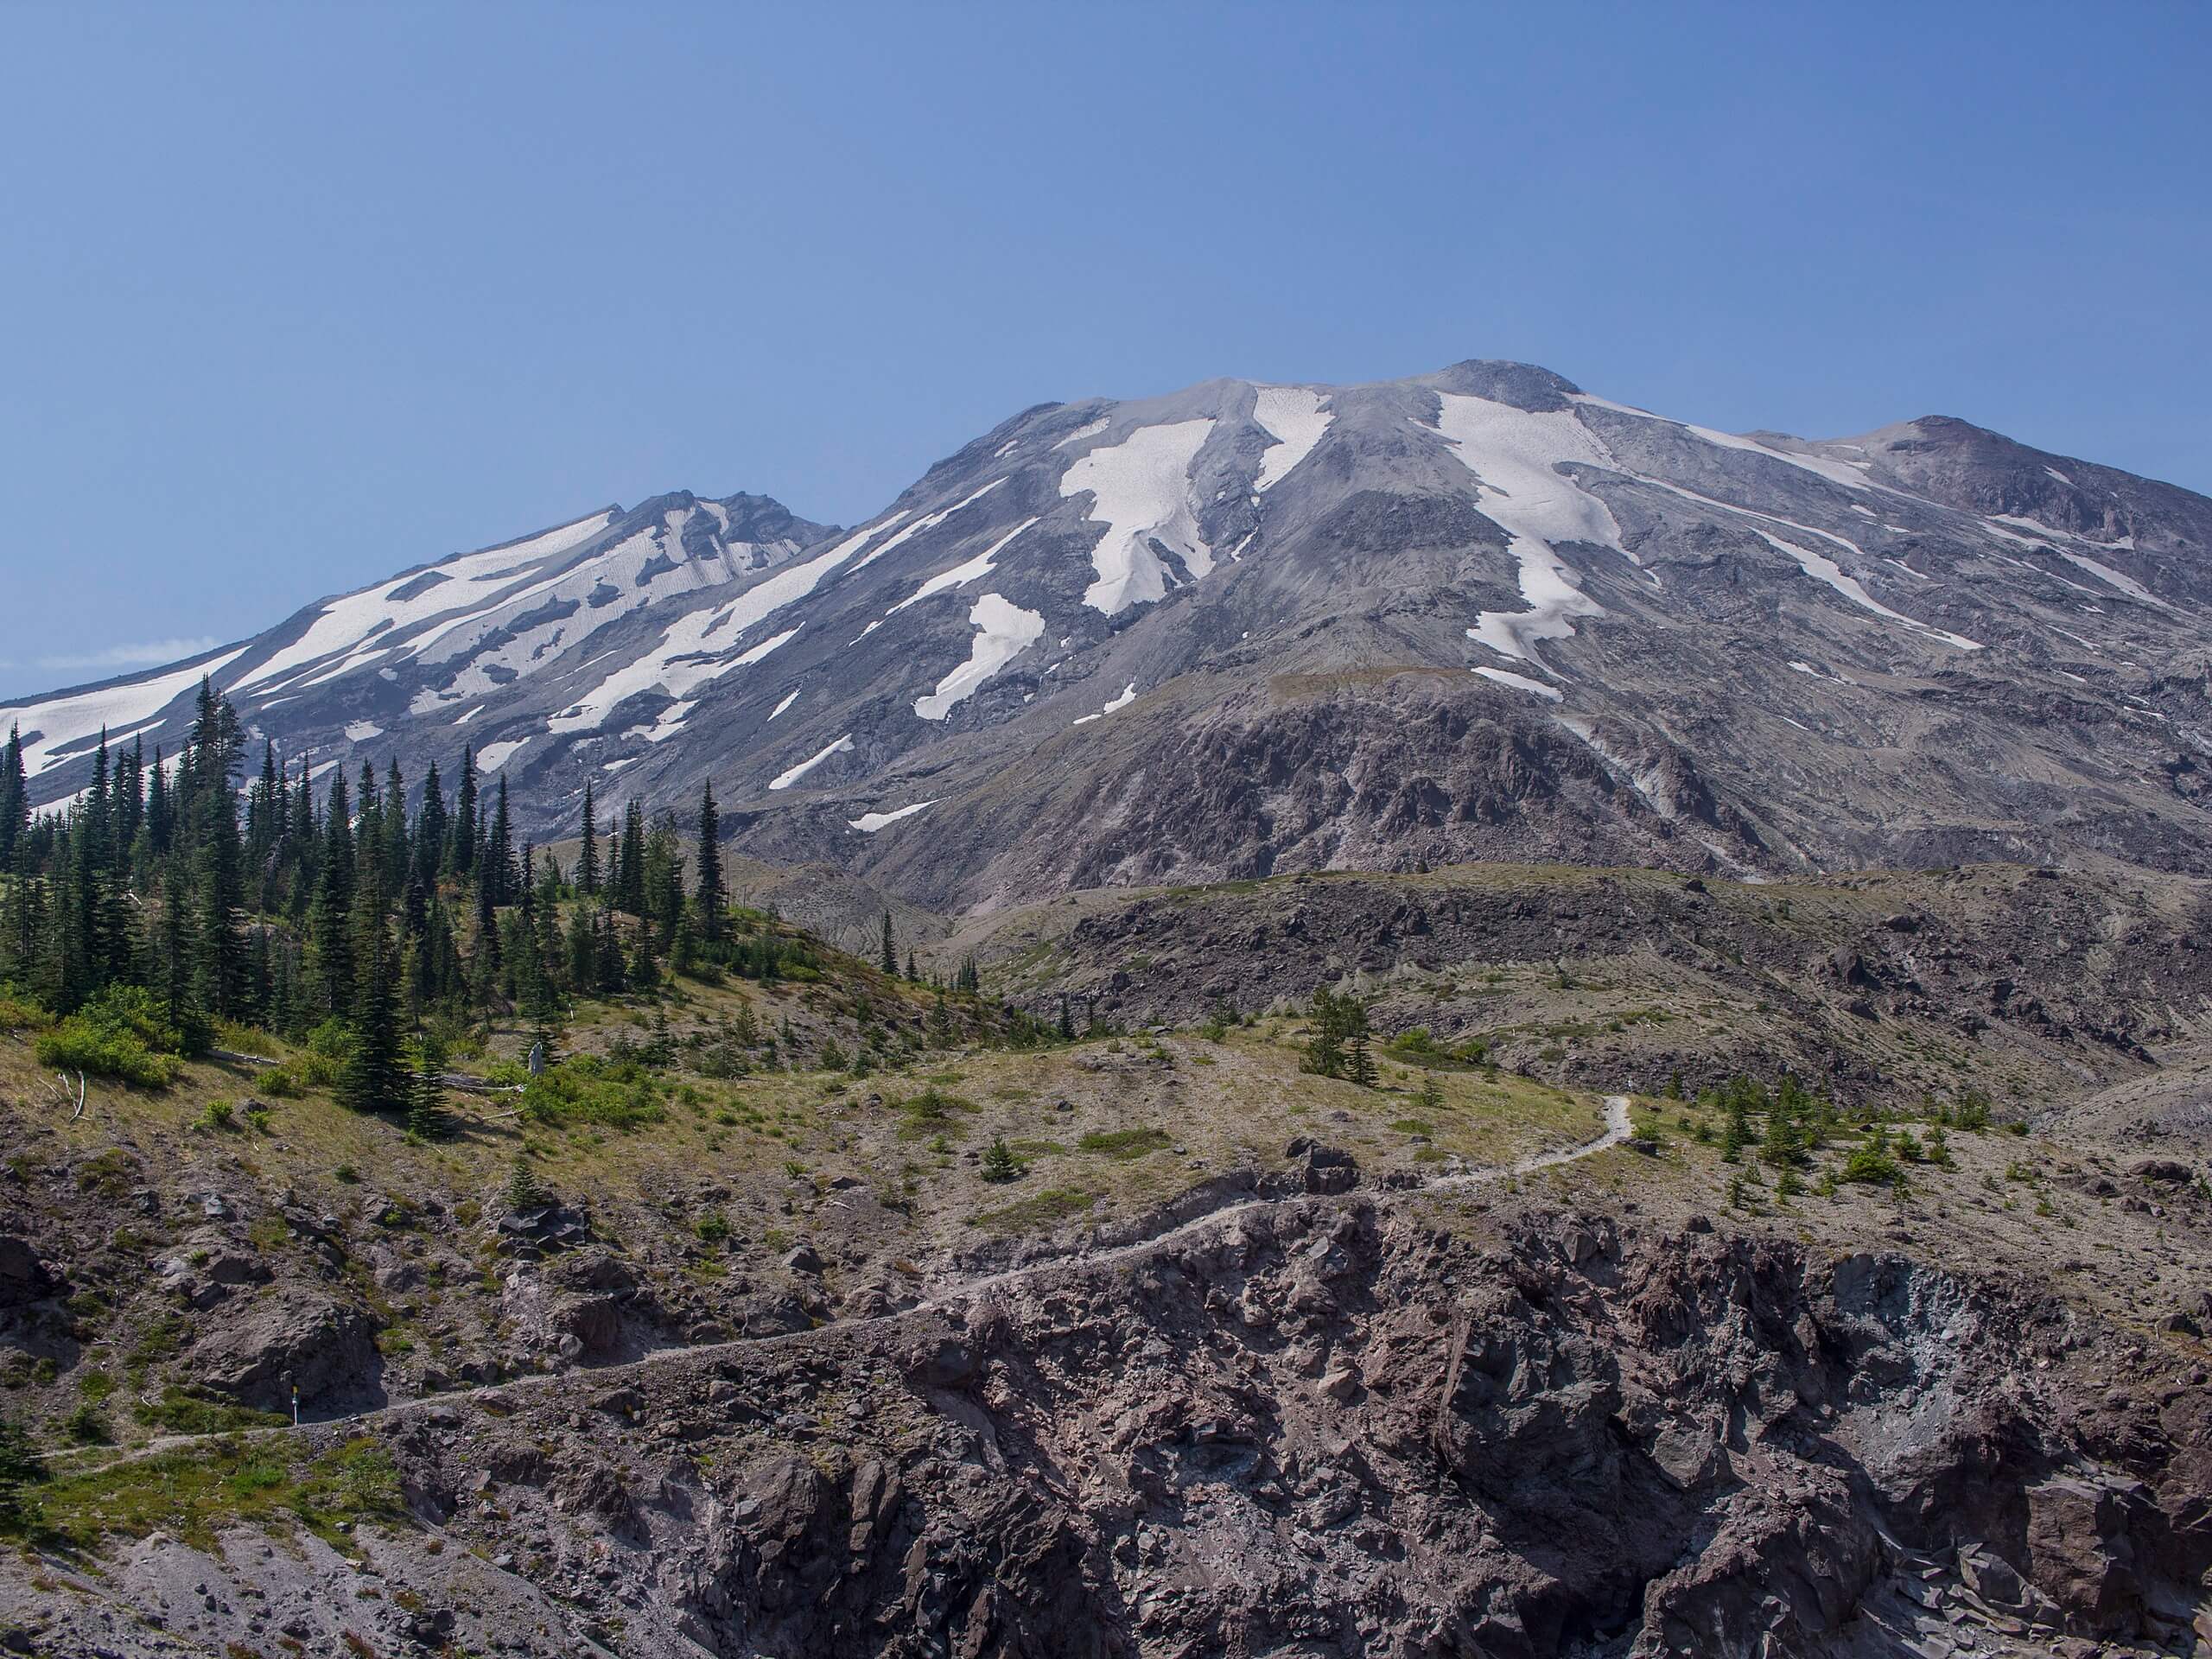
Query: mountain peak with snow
{"type": "Point", "coordinates": [1246, 627]}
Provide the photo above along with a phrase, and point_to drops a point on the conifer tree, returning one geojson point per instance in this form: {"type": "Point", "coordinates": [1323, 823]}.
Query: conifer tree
{"type": "Point", "coordinates": [426, 1092]}
{"type": "Point", "coordinates": [460, 855]}
{"type": "Point", "coordinates": [629, 882]}
{"type": "Point", "coordinates": [373, 1079]}
{"type": "Point", "coordinates": [15, 799]}
{"type": "Point", "coordinates": [712, 896]}
{"type": "Point", "coordinates": [330, 918]}
{"type": "Point", "coordinates": [430, 830]}
{"type": "Point", "coordinates": [588, 858]}
{"type": "Point", "coordinates": [498, 871]}
{"type": "Point", "coordinates": [890, 949]}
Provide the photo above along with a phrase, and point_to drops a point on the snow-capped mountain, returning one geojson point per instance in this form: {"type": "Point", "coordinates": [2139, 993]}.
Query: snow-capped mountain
{"type": "Point", "coordinates": [1249, 628]}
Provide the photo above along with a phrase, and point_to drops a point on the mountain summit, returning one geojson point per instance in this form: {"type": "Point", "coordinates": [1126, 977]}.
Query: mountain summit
{"type": "Point", "coordinates": [1244, 629]}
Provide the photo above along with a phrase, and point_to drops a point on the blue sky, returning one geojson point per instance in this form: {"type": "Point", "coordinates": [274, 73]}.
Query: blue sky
{"type": "Point", "coordinates": [298, 296]}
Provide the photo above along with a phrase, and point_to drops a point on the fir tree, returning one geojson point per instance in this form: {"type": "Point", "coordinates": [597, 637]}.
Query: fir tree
{"type": "Point", "coordinates": [890, 949]}
{"type": "Point", "coordinates": [460, 848]}
{"type": "Point", "coordinates": [426, 1092]}
{"type": "Point", "coordinates": [430, 830]}
{"type": "Point", "coordinates": [330, 918]}
{"type": "Point", "coordinates": [15, 800]}
{"type": "Point", "coordinates": [998, 1162]}
{"type": "Point", "coordinates": [588, 857]}
{"type": "Point", "coordinates": [498, 870]}
{"type": "Point", "coordinates": [630, 862]}
{"type": "Point", "coordinates": [712, 896]}
{"type": "Point", "coordinates": [373, 1079]}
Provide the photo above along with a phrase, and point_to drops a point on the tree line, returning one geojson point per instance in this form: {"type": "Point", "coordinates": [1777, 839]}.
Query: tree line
{"type": "Point", "coordinates": [173, 893]}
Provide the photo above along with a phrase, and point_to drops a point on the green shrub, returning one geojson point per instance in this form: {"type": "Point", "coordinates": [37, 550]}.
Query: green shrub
{"type": "Point", "coordinates": [1000, 1165]}
{"type": "Point", "coordinates": [120, 1033]}
{"type": "Point", "coordinates": [615, 1094]}
{"type": "Point", "coordinates": [17, 1013]}
{"type": "Point", "coordinates": [218, 1115]}
{"type": "Point", "coordinates": [1123, 1145]}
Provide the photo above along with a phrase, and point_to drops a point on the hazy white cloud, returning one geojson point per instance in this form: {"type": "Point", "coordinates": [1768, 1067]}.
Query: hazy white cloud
{"type": "Point", "coordinates": [143, 653]}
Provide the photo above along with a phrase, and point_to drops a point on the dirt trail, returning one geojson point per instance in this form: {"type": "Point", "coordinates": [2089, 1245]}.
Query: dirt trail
{"type": "Point", "coordinates": [1618, 1129]}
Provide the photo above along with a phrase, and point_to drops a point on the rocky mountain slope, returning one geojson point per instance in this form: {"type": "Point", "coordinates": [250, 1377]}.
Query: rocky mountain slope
{"type": "Point", "coordinates": [1244, 629]}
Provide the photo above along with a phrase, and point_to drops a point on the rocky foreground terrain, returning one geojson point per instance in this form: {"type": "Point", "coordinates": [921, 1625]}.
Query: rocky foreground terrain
{"type": "Point", "coordinates": [1504, 1355]}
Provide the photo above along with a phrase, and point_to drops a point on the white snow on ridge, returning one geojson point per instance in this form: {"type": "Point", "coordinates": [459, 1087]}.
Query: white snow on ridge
{"type": "Point", "coordinates": [785, 780]}
{"type": "Point", "coordinates": [682, 660]}
{"type": "Point", "coordinates": [927, 523]}
{"type": "Point", "coordinates": [1822, 568]}
{"type": "Point", "coordinates": [360, 731]}
{"type": "Point", "coordinates": [492, 756]}
{"type": "Point", "coordinates": [1128, 695]}
{"type": "Point", "coordinates": [790, 697]}
{"type": "Point", "coordinates": [465, 584]}
{"type": "Point", "coordinates": [1520, 682]}
{"type": "Point", "coordinates": [1089, 430]}
{"type": "Point", "coordinates": [1515, 455]}
{"type": "Point", "coordinates": [1141, 490]}
{"type": "Point", "coordinates": [65, 722]}
{"type": "Point", "coordinates": [973, 570]}
{"type": "Point", "coordinates": [2118, 580]}
{"type": "Point", "coordinates": [1291, 417]}
{"type": "Point", "coordinates": [868, 823]}
{"type": "Point", "coordinates": [1004, 631]}
{"type": "Point", "coordinates": [1850, 474]}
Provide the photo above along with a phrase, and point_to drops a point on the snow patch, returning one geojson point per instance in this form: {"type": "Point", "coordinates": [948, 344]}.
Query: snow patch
{"type": "Point", "coordinates": [492, 756]}
{"type": "Point", "coordinates": [1291, 417]}
{"type": "Point", "coordinates": [66, 722]}
{"type": "Point", "coordinates": [1822, 568]}
{"type": "Point", "coordinates": [1004, 631]}
{"type": "Point", "coordinates": [360, 731]}
{"type": "Point", "coordinates": [790, 697]}
{"type": "Point", "coordinates": [1128, 695]}
{"type": "Point", "coordinates": [973, 570]}
{"type": "Point", "coordinates": [1515, 456]}
{"type": "Point", "coordinates": [868, 823]}
{"type": "Point", "coordinates": [1141, 490]}
{"type": "Point", "coordinates": [1520, 682]}
{"type": "Point", "coordinates": [928, 523]}
{"type": "Point", "coordinates": [785, 780]}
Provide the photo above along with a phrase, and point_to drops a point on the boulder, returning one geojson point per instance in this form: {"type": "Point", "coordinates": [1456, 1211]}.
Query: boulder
{"type": "Point", "coordinates": [23, 1277]}
{"type": "Point", "coordinates": [290, 1338]}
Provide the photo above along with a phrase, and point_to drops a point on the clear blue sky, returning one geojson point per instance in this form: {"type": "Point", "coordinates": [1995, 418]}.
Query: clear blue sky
{"type": "Point", "coordinates": [299, 295]}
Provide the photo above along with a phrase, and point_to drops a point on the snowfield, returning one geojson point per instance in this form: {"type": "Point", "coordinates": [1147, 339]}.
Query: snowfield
{"type": "Point", "coordinates": [785, 780]}
{"type": "Point", "coordinates": [1004, 631]}
{"type": "Point", "coordinates": [1291, 417]}
{"type": "Point", "coordinates": [1514, 455]}
{"type": "Point", "coordinates": [74, 722]}
{"type": "Point", "coordinates": [868, 823]}
{"type": "Point", "coordinates": [1141, 490]}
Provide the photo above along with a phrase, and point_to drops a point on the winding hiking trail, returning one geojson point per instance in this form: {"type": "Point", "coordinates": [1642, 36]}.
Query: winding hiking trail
{"type": "Point", "coordinates": [1618, 1129]}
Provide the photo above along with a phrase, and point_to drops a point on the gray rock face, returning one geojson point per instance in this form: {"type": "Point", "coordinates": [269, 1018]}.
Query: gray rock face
{"type": "Point", "coordinates": [286, 1339]}
{"type": "Point", "coordinates": [1246, 629]}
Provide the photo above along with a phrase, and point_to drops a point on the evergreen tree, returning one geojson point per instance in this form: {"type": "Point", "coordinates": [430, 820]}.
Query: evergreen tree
{"type": "Point", "coordinates": [498, 870]}
{"type": "Point", "coordinates": [1067, 1018]}
{"type": "Point", "coordinates": [330, 918]}
{"type": "Point", "coordinates": [890, 949]}
{"type": "Point", "coordinates": [998, 1162]}
{"type": "Point", "coordinates": [430, 830]}
{"type": "Point", "coordinates": [221, 876]}
{"type": "Point", "coordinates": [161, 814]}
{"type": "Point", "coordinates": [426, 1093]}
{"type": "Point", "coordinates": [15, 800]}
{"type": "Point", "coordinates": [373, 1079]}
{"type": "Point", "coordinates": [588, 858]}
{"type": "Point", "coordinates": [461, 855]}
{"type": "Point", "coordinates": [630, 862]}
{"type": "Point", "coordinates": [712, 896]}
{"type": "Point", "coordinates": [21, 1469]}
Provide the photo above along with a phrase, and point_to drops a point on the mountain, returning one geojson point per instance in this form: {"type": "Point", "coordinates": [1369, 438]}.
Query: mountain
{"type": "Point", "coordinates": [1249, 629]}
